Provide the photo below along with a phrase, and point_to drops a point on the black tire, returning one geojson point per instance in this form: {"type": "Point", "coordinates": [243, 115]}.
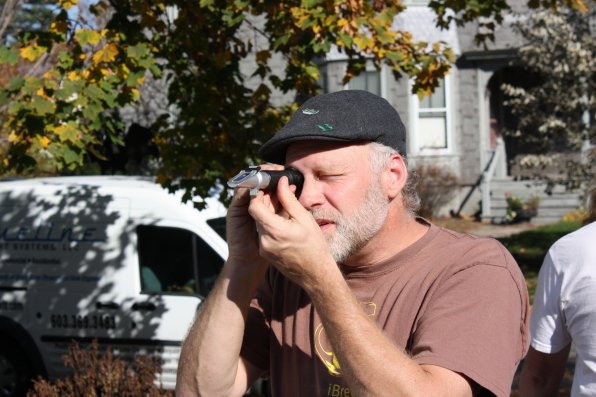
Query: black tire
{"type": "Point", "coordinates": [15, 371]}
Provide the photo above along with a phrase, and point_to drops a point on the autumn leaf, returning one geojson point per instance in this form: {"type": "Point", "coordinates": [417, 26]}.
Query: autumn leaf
{"type": "Point", "coordinates": [32, 52]}
{"type": "Point", "coordinates": [86, 36]}
{"type": "Point", "coordinates": [44, 141]}
{"type": "Point", "coordinates": [107, 53]}
{"type": "Point", "coordinates": [66, 132]}
{"type": "Point", "coordinates": [68, 4]}
{"type": "Point", "coordinates": [13, 137]}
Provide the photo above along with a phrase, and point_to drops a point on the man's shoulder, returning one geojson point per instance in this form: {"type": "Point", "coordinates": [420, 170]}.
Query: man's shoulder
{"type": "Point", "coordinates": [469, 249]}
{"type": "Point", "coordinates": [574, 249]}
{"type": "Point", "coordinates": [585, 235]}
{"type": "Point", "coordinates": [468, 242]}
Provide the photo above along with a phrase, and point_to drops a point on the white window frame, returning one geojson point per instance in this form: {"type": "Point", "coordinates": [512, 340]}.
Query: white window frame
{"type": "Point", "coordinates": [414, 135]}
{"type": "Point", "coordinates": [411, 3]}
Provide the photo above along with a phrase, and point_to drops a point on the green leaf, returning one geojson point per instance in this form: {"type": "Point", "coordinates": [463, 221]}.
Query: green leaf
{"type": "Point", "coordinates": [3, 97]}
{"type": "Point", "coordinates": [138, 52]}
{"type": "Point", "coordinates": [9, 55]}
{"type": "Point", "coordinates": [42, 106]}
{"type": "Point", "coordinates": [347, 40]}
{"type": "Point", "coordinates": [66, 132]}
{"type": "Point", "coordinates": [15, 84]}
{"type": "Point", "coordinates": [65, 61]}
{"type": "Point", "coordinates": [311, 3]}
{"type": "Point", "coordinates": [85, 36]}
{"type": "Point", "coordinates": [69, 87]}
{"type": "Point", "coordinates": [241, 4]}
{"type": "Point", "coordinates": [133, 78]}
{"type": "Point", "coordinates": [68, 156]}
{"type": "Point", "coordinates": [91, 111]}
{"type": "Point", "coordinates": [94, 93]}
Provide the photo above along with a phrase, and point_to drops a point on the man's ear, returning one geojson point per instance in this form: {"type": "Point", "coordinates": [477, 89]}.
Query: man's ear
{"type": "Point", "coordinates": [396, 176]}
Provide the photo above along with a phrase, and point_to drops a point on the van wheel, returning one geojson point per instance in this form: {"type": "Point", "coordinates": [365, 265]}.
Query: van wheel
{"type": "Point", "coordinates": [15, 374]}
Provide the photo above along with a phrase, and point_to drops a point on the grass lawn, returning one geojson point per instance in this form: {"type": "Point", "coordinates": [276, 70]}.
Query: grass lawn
{"type": "Point", "coordinates": [529, 248]}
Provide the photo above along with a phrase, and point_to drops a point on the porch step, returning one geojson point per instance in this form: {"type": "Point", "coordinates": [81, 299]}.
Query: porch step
{"type": "Point", "coordinates": [551, 208]}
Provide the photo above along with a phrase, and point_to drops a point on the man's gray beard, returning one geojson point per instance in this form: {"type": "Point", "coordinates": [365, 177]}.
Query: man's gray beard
{"type": "Point", "coordinates": [354, 231]}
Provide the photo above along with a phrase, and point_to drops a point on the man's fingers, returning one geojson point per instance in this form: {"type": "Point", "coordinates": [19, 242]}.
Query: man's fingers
{"type": "Point", "coordinates": [262, 210]}
{"type": "Point", "coordinates": [288, 200]}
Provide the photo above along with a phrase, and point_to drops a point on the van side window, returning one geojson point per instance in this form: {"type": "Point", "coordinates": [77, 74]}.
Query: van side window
{"type": "Point", "coordinates": [173, 260]}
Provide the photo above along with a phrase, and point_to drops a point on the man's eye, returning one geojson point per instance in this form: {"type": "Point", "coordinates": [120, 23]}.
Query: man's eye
{"type": "Point", "coordinates": [323, 176]}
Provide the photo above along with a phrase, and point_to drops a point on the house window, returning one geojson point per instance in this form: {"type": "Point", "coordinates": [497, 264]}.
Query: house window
{"type": "Point", "coordinates": [432, 120]}
{"type": "Point", "coordinates": [368, 80]}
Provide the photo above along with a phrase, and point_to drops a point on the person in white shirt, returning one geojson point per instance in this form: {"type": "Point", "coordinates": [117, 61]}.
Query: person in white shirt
{"type": "Point", "coordinates": [564, 311]}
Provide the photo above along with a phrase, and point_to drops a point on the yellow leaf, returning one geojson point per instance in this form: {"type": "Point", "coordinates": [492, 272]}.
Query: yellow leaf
{"type": "Point", "coordinates": [67, 4]}
{"type": "Point", "coordinates": [41, 92]}
{"type": "Point", "coordinates": [13, 137]}
{"type": "Point", "coordinates": [136, 95]}
{"type": "Point", "coordinates": [363, 42]}
{"type": "Point", "coordinates": [106, 54]}
{"type": "Point", "coordinates": [32, 52]}
{"type": "Point", "coordinates": [66, 132]}
{"type": "Point", "coordinates": [106, 71]}
{"type": "Point", "coordinates": [50, 75]}
{"type": "Point", "coordinates": [73, 76]}
{"type": "Point", "coordinates": [342, 22]}
{"type": "Point", "coordinates": [44, 141]}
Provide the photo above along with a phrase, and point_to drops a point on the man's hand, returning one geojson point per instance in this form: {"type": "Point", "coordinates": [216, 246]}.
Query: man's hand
{"type": "Point", "coordinates": [241, 232]}
{"type": "Point", "coordinates": [289, 237]}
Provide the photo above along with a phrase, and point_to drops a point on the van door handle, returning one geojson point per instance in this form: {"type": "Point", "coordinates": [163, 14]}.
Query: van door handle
{"type": "Point", "coordinates": [141, 306]}
{"type": "Point", "coordinates": [107, 305]}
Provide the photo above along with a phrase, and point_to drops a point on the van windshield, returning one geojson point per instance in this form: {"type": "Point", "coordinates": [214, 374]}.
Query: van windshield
{"type": "Point", "coordinates": [219, 225]}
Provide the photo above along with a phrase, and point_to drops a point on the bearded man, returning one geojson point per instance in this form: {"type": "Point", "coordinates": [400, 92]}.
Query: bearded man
{"type": "Point", "coordinates": [344, 291]}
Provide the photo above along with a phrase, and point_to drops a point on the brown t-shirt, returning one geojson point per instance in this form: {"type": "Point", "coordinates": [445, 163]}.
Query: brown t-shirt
{"type": "Point", "coordinates": [450, 299]}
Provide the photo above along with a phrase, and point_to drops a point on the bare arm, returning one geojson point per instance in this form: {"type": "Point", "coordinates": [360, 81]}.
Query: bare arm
{"type": "Point", "coordinates": [542, 372]}
{"type": "Point", "coordinates": [373, 365]}
{"type": "Point", "coordinates": [210, 363]}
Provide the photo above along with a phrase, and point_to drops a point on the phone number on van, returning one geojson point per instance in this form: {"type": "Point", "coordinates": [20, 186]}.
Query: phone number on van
{"type": "Point", "coordinates": [93, 321]}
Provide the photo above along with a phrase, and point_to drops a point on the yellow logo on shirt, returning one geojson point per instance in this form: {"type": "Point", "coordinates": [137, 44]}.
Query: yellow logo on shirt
{"type": "Point", "coordinates": [323, 348]}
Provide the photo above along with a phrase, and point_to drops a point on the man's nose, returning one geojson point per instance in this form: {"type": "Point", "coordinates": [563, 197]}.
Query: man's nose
{"type": "Point", "coordinates": [312, 193]}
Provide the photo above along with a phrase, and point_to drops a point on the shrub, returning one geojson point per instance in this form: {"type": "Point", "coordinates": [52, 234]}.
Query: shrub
{"type": "Point", "coordinates": [519, 210]}
{"type": "Point", "coordinates": [436, 188]}
{"type": "Point", "coordinates": [104, 376]}
{"type": "Point", "coordinates": [578, 215]}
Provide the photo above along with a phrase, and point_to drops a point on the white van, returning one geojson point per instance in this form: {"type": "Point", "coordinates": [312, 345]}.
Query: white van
{"type": "Point", "coordinates": [117, 259]}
